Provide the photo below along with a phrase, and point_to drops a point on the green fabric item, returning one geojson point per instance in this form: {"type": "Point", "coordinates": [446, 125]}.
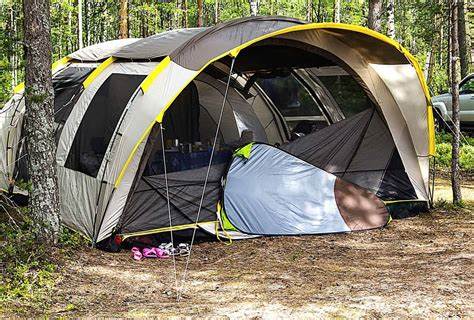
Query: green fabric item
{"type": "Point", "coordinates": [244, 151]}
{"type": "Point", "coordinates": [226, 224]}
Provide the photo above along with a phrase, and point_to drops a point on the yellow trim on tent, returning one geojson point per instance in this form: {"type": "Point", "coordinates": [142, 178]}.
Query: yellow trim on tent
{"type": "Point", "coordinates": [402, 201]}
{"type": "Point", "coordinates": [19, 88]}
{"type": "Point", "coordinates": [431, 132]}
{"type": "Point", "coordinates": [54, 68]}
{"type": "Point", "coordinates": [60, 63]}
{"type": "Point", "coordinates": [98, 71]}
{"type": "Point", "coordinates": [165, 229]}
{"type": "Point", "coordinates": [129, 159]}
{"type": "Point", "coordinates": [234, 51]}
{"type": "Point", "coordinates": [158, 69]}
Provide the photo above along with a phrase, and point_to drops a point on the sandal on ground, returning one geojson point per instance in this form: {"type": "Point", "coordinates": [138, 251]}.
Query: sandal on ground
{"type": "Point", "coordinates": [136, 254]}
{"type": "Point", "coordinates": [149, 253]}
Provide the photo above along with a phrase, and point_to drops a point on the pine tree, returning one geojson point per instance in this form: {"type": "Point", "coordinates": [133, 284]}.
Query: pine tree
{"type": "Point", "coordinates": [455, 79]}
{"type": "Point", "coordinates": [374, 18]}
{"type": "Point", "coordinates": [39, 97]}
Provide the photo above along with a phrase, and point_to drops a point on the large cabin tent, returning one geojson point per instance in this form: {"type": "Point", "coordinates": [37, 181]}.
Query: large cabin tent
{"type": "Point", "coordinates": [323, 127]}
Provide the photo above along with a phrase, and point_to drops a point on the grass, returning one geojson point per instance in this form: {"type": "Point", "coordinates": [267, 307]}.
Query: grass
{"type": "Point", "coordinates": [28, 268]}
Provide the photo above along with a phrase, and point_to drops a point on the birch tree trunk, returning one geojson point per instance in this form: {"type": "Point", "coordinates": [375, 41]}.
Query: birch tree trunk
{"type": "Point", "coordinates": [391, 19]}
{"type": "Point", "coordinates": [374, 18]}
{"type": "Point", "coordinates": [253, 7]}
{"type": "Point", "coordinates": [309, 10]}
{"type": "Point", "coordinates": [87, 25]}
{"type": "Point", "coordinates": [123, 24]}
{"type": "Point", "coordinates": [12, 35]}
{"type": "Point", "coordinates": [455, 79]}
{"type": "Point", "coordinates": [199, 17]}
{"type": "Point", "coordinates": [39, 98]}
{"type": "Point", "coordinates": [337, 10]}
{"type": "Point", "coordinates": [463, 42]}
{"type": "Point", "coordinates": [216, 12]}
{"type": "Point", "coordinates": [80, 37]}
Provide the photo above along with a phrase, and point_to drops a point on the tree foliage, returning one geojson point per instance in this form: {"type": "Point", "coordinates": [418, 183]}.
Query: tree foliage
{"type": "Point", "coordinates": [421, 26]}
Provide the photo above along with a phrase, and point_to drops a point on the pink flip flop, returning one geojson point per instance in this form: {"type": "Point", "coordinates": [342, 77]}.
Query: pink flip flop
{"type": "Point", "coordinates": [155, 253]}
{"type": "Point", "coordinates": [136, 254]}
{"type": "Point", "coordinates": [149, 253]}
{"type": "Point", "coordinates": [160, 253]}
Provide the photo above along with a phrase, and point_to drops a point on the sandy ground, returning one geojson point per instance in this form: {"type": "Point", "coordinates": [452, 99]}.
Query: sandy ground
{"type": "Point", "coordinates": [420, 267]}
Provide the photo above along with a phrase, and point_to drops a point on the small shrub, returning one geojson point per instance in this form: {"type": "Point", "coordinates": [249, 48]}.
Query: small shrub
{"type": "Point", "coordinates": [28, 268]}
{"type": "Point", "coordinates": [444, 149]}
{"type": "Point", "coordinates": [443, 154]}
{"type": "Point", "coordinates": [466, 158]}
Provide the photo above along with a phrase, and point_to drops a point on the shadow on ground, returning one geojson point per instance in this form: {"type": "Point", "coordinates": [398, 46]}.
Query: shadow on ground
{"type": "Point", "coordinates": [416, 267]}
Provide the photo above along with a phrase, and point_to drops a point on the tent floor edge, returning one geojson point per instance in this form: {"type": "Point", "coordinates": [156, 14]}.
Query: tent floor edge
{"type": "Point", "coordinates": [407, 209]}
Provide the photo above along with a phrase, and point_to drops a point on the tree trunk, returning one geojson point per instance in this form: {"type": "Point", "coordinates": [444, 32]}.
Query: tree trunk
{"type": "Point", "coordinates": [374, 18]}
{"type": "Point", "coordinates": [456, 78]}
{"type": "Point", "coordinates": [318, 17]}
{"type": "Point", "coordinates": [463, 43]}
{"type": "Point", "coordinates": [39, 98]}
{"type": "Point", "coordinates": [123, 24]}
{"type": "Point", "coordinates": [450, 47]}
{"type": "Point", "coordinates": [185, 13]}
{"type": "Point", "coordinates": [80, 40]}
{"type": "Point", "coordinates": [431, 61]}
{"type": "Point", "coordinates": [253, 7]}
{"type": "Point", "coordinates": [199, 17]}
{"type": "Point", "coordinates": [13, 53]}
{"type": "Point", "coordinates": [337, 10]}
{"type": "Point", "coordinates": [216, 12]}
{"type": "Point", "coordinates": [87, 26]}
{"type": "Point", "coordinates": [391, 19]}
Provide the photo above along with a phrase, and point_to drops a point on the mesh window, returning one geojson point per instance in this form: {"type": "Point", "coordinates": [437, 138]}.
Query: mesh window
{"type": "Point", "coordinates": [99, 123]}
{"type": "Point", "coordinates": [290, 97]}
{"type": "Point", "coordinates": [67, 90]}
{"type": "Point", "coordinates": [348, 94]}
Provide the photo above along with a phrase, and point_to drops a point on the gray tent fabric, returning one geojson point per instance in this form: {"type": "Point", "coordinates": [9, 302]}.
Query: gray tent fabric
{"type": "Point", "coordinates": [196, 52]}
{"type": "Point", "coordinates": [158, 45]}
{"type": "Point", "coordinates": [275, 193]}
{"type": "Point", "coordinates": [100, 51]}
{"type": "Point", "coordinates": [244, 116]}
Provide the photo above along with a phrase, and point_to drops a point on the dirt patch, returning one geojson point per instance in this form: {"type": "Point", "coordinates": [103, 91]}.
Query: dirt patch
{"type": "Point", "coordinates": [417, 267]}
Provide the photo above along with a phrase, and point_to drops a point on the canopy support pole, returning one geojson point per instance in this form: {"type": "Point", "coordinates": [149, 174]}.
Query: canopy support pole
{"type": "Point", "coordinates": [183, 281]}
{"type": "Point", "coordinates": [169, 208]}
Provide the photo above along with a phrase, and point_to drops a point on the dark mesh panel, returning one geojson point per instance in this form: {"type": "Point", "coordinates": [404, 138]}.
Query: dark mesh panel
{"type": "Point", "coordinates": [395, 183]}
{"type": "Point", "coordinates": [21, 172]}
{"type": "Point", "coordinates": [67, 86]}
{"type": "Point", "coordinates": [147, 208]}
{"type": "Point", "coordinates": [67, 90]}
{"type": "Point", "coordinates": [182, 118]}
{"type": "Point", "coordinates": [360, 150]}
{"type": "Point", "coordinates": [99, 123]}
{"type": "Point", "coordinates": [348, 93]}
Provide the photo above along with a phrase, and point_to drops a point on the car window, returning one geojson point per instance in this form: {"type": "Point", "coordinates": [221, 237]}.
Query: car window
{"type": "Point", "coordinates": [467, 87]}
